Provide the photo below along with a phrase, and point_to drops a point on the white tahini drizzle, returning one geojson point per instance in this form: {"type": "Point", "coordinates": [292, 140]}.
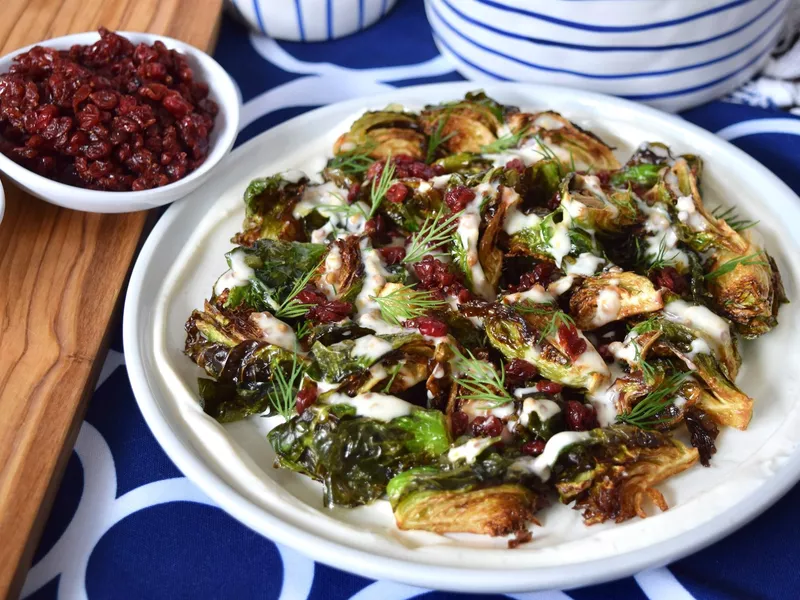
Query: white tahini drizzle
{"type": "Point", "coordinates": [541, 465]}
{"type": "Point", "coordinates": [381, 407]}
{"type": "Point", "coordinates": [371, 347]}
{"type": "Point", "coordinates": [274, 331]}
{"type": "Point", "coordinates": [333, 264]}
{"type": "Point", "coordinates": [608, 307]}
{"type": "Point", "coordinates": [468, 232]}
{"type": "Point", "coordinates": [544, 408]}
{"type": "Point", "coordinates": [239, 274]}
{"type": "Point", "coordinates": [586, 264]}
{"type": "Point", "coordinates": [699, 318]}
{"type": "Point", "coordinates": [469, 450]}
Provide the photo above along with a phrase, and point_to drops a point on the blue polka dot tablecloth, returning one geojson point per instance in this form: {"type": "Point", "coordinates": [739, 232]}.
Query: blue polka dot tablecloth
{"type": "Point", "coordinates": [127, 524]}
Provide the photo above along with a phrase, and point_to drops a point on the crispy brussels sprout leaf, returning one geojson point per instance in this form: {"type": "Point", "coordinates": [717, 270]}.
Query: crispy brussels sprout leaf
{"type": "Point", "coordinates": [484, 498]}
{"type": "Point", "coordinates": [569, 142]}
{"type": "Point", "coordinates": [608, 297]}
{"type": "Point", "coordinates": [334, 363]}
{"type": "Point", "coordinates": [610, 475]}
{"type": "Point", "coordinates": [268, 210]}
{"type": "Point", "coordinates": [273, 267]}
{"type": "Point", "coordinates": [355, 458]}
{"type": "Point", "coordinates": [535, 334]}
{"type": "Point", "coordinates": [468, 124]}
{"type": "Point", "coordinates": [593, 207]}
{"type": "Point", "coordinates": [746, 288]}
{"type": "Point", "coordinates": [489, 255]}
{"type": "Point", "coordinates": [343, 275]}
{"type": "Point", "coordinates": [729, 402]}
{"type": "Point", "coordinates": [382, 133]}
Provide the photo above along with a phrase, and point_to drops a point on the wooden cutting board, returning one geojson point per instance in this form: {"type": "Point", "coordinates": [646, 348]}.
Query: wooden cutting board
{"type": "Point", "coordinates": [62, 274]}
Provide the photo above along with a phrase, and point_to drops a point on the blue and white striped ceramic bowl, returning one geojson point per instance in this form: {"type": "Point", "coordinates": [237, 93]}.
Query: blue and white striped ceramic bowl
{"type": "Point", "coordinates": [670, 53]}
{"type": "Point", "coordinates": [310, 20]}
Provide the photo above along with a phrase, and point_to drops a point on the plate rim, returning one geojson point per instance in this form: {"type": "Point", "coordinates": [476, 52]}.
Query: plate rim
{"type": "Point", "coordinates": [363, 563]}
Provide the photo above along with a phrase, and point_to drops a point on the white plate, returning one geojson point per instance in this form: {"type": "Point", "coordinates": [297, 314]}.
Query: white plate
{"type": "Point", "coordinates": [233, 464]}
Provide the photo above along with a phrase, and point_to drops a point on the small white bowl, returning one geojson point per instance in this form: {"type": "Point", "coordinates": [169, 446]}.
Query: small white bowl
{"type": "Point", "coordinates": [309, 20]}
{"type": "Point", "coordinates": [226, 125]}
{"type": "Point", "coordinates": [670, 54]}
{"type": "Point", "coordinates": [2, 201]}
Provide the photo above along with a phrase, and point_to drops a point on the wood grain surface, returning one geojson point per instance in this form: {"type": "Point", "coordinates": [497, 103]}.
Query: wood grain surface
{"type": "Point", "coordinates": [62, 274]}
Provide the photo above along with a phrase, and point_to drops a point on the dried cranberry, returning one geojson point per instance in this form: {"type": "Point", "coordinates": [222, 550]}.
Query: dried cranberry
{"type": "Point", "coordinates": [459, 421]}
{"type": "Point", "coordinates": [669, 278]}
{"type": "Point", "coordinates": [517, 165]}
{"type": "Point", "coordinates": [83, 115]}
{"type": "Point", "coordinates": [352, 193]}
{"type": "Point", "coordinates": [433, 273]}
{"type": "Point", "coordinates": [375, 170]}
{"type": "Point", "coordinates": [580, 417]}
{"type": "Point", "coordinates": [305, 398]}
{"type": "Point", "coordinates": [458, 197]}
{"type": "Point", "coordinates": [376, 228]}
{"type": "Point", "coordinates": [604, 350]}
{"type": "Point", "coordinates": [533, 447]}
{"type": "Point", "coordinates": [397, 193]}
{"type": "Point", "coordinates": [489, 426]}
{"type": "Point", "coordinates": [393, 255]}
{"type": "Point", "coordinates": [549, 387]}
{"type": "Point", "coordinates": [569, 336]}
{"type": "Point", "coordinates": [520, 370]}
{"type": "Point", "coordinates": [541, 274]}
{"type": "Point", "coordinates": [428, 326]}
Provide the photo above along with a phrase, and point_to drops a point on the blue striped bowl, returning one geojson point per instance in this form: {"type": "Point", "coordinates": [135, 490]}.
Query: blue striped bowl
{"type": "Point", "coordinates": [310, 20]}
{"type": "Point", "coordinates": [669, 53]}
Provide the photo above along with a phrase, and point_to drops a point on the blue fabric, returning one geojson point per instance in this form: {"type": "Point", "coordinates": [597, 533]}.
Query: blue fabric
{"type": "Point", "coordinates": [126, 524]}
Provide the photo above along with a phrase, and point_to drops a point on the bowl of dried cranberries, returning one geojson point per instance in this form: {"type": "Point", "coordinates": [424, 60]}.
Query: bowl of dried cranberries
{"type": "Point", "coordinates": [114, 122]}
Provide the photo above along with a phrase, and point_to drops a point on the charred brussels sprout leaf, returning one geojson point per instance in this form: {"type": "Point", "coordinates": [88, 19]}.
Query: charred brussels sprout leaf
{"type": "Point", "coordinates": [274, 266]}
{"type": "Point", "coordinates": [483, 498]}
{"type": "Point", "coordinates": [468, 125]}
{"type": "Point", "coordinates": [610, 475]}
{"type": "Point", "coordinates": [593, 207]}
{"type": "Point", "coordinates": [355, 458]}
{"type": "Point", "coordinates": [602, 299]}
{"type": "Point", "coordinates": [268, 210]}
{"type": "Point", "coordinates": [383, 133]}
{"type": "Point", "coordinates": [334, 363]}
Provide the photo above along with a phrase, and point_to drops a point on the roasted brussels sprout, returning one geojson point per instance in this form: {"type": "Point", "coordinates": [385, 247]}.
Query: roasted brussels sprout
{"type": "Point", "coordinates": [609, 475]}
{"type": "Point", "coordinates": [268, 210]}
{"type": "Point", "coordinates": [355, 457]}
{"type": "Point", "coordinates": [593, 207]}
{"type": "Point", "coordinates": [485, 497]}
{"type": "Point", "coordinates": [467, 125]}
{"type": "Point", "coordinates": [573, 146]}
{"type": "Point", "coordinates": [612, 296]}
{"type": "Point", "coordinates": [383, 133]}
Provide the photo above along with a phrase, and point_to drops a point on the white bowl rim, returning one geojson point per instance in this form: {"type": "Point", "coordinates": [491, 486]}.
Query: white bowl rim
{"type": "Point", "coordinates": [412, 572]}
{"type": "Point", "coordinates": [99, 198]}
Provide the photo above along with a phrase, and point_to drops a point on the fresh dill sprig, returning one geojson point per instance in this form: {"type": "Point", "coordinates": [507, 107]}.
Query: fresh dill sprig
{"type": "Point", "coordinates": [435, 140]}
{"type": "Point", "coordinates": [405, 303]}
{"type": "Point", "coordinates": [650, 324]}
{"type": "Point", "coordinates": [282, 396]}
{"type": "Point", "coordinates": [380, 186]}
{"type": "Point", "coordinates": [732, 218]}
{"type": "Point", "coordinates": [461, 256]}
{"type": "Point", "coordinates": [730, 265]}
{"type": "Point", "coordinates": [303, 330]}
{"type": "Point", "coordinates": [395, 371]}
{"type": "Point", "coordinates": [648, 370]}
{"type": "Point", "coordinates": [648, 262]}
{"type": "Point", "coordinates": [291, 307]}
{"type": "Point", "coordinates": [481, 380]}
{"type": "Point", "coordinates": [506, 142]}
{"type": "Point", "coordinates": [434, 232]}
{"type": "Point", "coordinates": [556, 320]}
{"type": "Point", "coordinates": [644, 413]}
{"type": "Point", "coordinates": [355, 161]}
